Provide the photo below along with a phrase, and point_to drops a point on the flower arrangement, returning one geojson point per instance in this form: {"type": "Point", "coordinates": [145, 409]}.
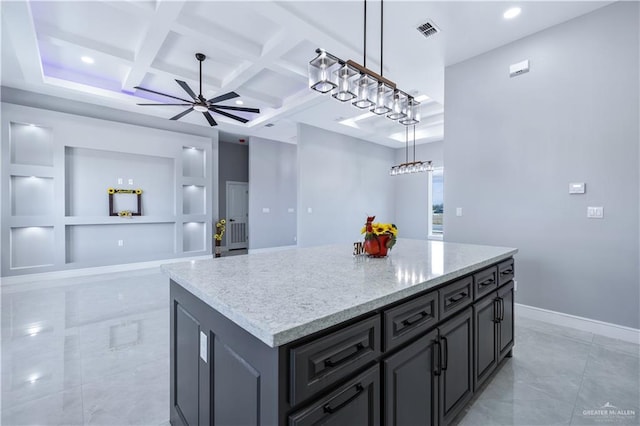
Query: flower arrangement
{"type": "Point", "coordinates": [378, 237]}
{"type": "Point", "coordinates": [220, 228]}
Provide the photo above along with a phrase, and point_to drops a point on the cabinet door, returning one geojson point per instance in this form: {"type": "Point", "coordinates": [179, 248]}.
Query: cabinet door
{"type": "Point", "coordinates": [410, 384]}
{"type": "Point", "coordinates": [486, 338]}
{"type": "Point", "coordinates": [355, 403]}
{"type": "Point", "coordinates": [456, 381]}
{"type": "Point", "coordinates": [506, 338]}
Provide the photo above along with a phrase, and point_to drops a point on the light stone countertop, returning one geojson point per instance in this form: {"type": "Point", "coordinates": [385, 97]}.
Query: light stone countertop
{"type": "Point", "coordinates": [281, 296]}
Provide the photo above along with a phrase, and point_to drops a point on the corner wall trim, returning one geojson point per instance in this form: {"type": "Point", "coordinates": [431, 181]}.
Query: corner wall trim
{"type": "Point", "coordinates": [607, 329]}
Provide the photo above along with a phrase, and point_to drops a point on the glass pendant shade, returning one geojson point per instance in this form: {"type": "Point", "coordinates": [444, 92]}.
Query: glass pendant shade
{"type": "Point", "coordinates": [382, 99]}
{"type": "Point", "coordinates": [346, 84]}
{"type": "Point", "coordinates": [398, 106]}
{"type": "Point", "coordinates": [322, 77]}
{"type": "Point", "coordinates": [412, 113]}
{"type": "Point", "coordinates": [365, 90]}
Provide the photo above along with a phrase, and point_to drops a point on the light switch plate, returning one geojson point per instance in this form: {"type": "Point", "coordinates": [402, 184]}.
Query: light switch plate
{"type": "Point", "coordinates": [458, 211]}
{"type": "Point", "coordinates": [130, 181]}
{"type": "Point", "coordinates": [266, 210]}
{"type": "Point", "coordinates": [309, 210]}
{"type": "Point", "coordinates": [595, 212]}
{"type": "Point", "coordinates": [119, 181]}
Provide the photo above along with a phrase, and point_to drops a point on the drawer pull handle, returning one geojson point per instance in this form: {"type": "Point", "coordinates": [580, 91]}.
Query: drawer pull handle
{"type": "Point", "coordinates": [330, 410]}
{"type": "Point", "coordinates": [458, 298]}
{"type": "Point", "coordinates": [415, 318]}
{"type": "Point", "coordinates": [487, 282]}
{"type": "Point", "coordinates": [506, 272]}
{"type": "Point", "coordinates": [445, 357]}
{"type": "Point", "coordinates": [437, 369]}
{"type": "Point", "coordinates": [345, 355]}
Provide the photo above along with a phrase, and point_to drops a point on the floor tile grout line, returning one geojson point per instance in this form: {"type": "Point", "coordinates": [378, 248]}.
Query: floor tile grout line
{"type": "Point", "coordinates": [584, 371]}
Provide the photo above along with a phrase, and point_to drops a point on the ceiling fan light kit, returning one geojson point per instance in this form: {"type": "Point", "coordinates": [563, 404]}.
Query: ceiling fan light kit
{"type": "Point", "coordinates": [349, 80]}
{"type": "Point", "coordinates": [200, 104]}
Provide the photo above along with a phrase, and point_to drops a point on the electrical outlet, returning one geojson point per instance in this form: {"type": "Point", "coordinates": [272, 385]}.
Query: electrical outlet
{"type": "Point", "coordinates": [309, 210]}
{"type": "Point", "coordinates": [120, 243]}
{"type": "Point", "coordinates": [458, 211]}
{"type": "Point", "coordinates": [595, 212]}
{"type": "Point", "coordinates": [119, 181]}
{"type": "Point", "coordinates": [290, 210]}
{"type": "Point", "coordinates": [266, 210]}
{"type": "Point", "coordinates": [130, 181]}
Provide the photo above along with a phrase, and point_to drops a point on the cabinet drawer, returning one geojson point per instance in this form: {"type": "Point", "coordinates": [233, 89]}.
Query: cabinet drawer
{"type": "Point", "coordinates": [327, 359]}
{"type": "Point", "coordinates": [410, 319]}
{"type": "Point", "coordinates": [357, 402]}
{"type": "Point", "coordinates": [505, 272]}
{"type": "Point", "coordinates": [455, 296]}
{"type": "Point", "coordinates": [484, 282]}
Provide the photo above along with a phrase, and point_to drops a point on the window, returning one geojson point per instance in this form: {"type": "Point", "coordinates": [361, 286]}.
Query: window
{"type": "Point", "coordinates": [436, 203]}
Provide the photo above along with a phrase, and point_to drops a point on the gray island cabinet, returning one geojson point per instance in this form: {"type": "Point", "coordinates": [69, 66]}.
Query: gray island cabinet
{"type": "Point", "coordinates": [312, 336]}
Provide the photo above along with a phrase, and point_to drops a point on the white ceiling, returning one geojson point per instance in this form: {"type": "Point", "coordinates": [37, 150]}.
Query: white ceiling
{"type": "Point", "coordinates": [260, 49]}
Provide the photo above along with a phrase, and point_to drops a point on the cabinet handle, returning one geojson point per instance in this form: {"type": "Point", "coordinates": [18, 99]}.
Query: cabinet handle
{"type": "Point", "coordinates": [345, 354]}
{"type": "Point", "coordinates": [415, 318]}
{"type": "Point", "coordinates": [446, 353]}
{"type": "Point", "coordinates": [501, 309]}
{"type": "Point", "coordinates": [496, 310]}
{"type": "Point", "coordinates": [330, 410]}
{"type": "Point", "coordinates": [458, 297]}
{"type": "Point", "coordinates": [506, 272]}
{"type": "Point", "coordinates": [438, 365]}
{"type": "Point", "coordinates": [487, 282]}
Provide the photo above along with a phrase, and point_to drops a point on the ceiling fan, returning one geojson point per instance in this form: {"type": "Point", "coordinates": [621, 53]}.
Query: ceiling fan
{"type": "Point", "coordinates": [200, 104]}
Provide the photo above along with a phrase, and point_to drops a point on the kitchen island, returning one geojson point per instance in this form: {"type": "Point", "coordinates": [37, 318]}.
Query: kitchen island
{"type": "Point", "coordinates": [302, 336]}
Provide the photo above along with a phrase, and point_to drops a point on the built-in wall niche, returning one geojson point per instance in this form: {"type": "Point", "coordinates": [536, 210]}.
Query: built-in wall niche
{"type": "Point", "coordinates": [31, 144]}
{"type": "Point", "coordinates": [193, 237]}
{"type": "Point", "coordinates": [89, 173]}
{"type": "Point", "coordinates": [32, 246]}
{"type": "Point", "coordinates": [192, 162]}
{"type": "Point", "coordinates": [31, 196]}
{"type": "Point", "coordinates": [118, 243]}
{"type": "Point", "coordinates": [193, 199]}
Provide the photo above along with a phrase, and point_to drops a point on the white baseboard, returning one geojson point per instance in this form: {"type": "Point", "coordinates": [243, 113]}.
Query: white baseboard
{"type": "Point", "coordinates": [607, 329]}
{"type": "Point", "coordinates": [82, 272]}
{"type": "Point", "coordinates": [270, 249]}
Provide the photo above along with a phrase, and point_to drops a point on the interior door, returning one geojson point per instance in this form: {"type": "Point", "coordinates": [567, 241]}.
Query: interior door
{"type": "Point", "coordinates": [237, 215]}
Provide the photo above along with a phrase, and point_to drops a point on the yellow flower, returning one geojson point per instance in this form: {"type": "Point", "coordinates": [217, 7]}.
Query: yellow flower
{"type": "Point", "coordinates": [111, 191]}
{"type": "Point", "coordinates": [363, 230]}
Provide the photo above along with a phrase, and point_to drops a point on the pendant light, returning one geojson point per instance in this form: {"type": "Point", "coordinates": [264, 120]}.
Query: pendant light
{"type": "Point", "coordinates": [413, 166]}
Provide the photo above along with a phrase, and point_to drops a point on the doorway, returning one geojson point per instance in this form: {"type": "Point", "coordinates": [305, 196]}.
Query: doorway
{"type": "Point", "coordinates": [237, 215]}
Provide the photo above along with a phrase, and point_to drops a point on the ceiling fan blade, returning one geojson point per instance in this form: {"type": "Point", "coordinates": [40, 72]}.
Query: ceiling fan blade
{"type": "Point", "coordinates": [210, 119]}
{"type": "Point", "coordinates": [226, 114]}
{"type": "Point", "coordinates": [187, 89]}
{"type": "Point", "coordinates": [162, 94]}
{"type": "Point", "coordinates": [224, 97]}
{"type": "Point", "coordinates": [235, 108]}
{"type": "Point", "coordinates": [166, 104]}
{"type": "Point", "coordinates": [182, 114]}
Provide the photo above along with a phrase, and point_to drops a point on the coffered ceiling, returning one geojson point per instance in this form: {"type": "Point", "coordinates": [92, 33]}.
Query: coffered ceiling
{"type": "Point", "coordinates": [260, 49]}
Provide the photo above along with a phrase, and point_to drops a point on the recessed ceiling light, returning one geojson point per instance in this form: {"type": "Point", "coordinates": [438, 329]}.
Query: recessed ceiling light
{"type": "Point", "coordinates": [512, 13]}
{"type": "Point", "coordinates": [87, 59]}
{"type": "Point", "coordinates": [239, 102]}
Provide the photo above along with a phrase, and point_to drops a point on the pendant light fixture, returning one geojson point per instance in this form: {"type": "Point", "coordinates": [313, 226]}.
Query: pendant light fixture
{"type": "Point", "coordinates": [413, 166]}
{"type": "Point", "coordinates": [350, 81]}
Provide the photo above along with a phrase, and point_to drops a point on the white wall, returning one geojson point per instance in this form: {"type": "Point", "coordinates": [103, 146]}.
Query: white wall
{"type": "Point", "coordinates": [343, 180]}
{"type": "Point", "coordinates": [411, 191]}
{"type": "Point", "coordinates": [86, 156]}
{"type": "Point", "coordinates": [272, 186]}
{"type": "Point", "coordinates": [513, 145]}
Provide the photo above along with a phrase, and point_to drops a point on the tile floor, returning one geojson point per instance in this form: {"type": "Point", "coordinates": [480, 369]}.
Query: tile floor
{"type": "Point", "coordinates": [94, 350]}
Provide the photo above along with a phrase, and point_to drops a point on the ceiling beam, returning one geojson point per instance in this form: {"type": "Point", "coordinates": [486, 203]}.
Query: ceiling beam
{"type": "Point", "coordinates": [18, 20]}
{"type": "Point", "coordinates": [166, 14]}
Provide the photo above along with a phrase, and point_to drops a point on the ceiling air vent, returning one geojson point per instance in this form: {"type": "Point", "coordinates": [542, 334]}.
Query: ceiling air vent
{"type": "Point", "coordinates": [269, 125]}
{"type": "Point", "coordinates": [428, 29]}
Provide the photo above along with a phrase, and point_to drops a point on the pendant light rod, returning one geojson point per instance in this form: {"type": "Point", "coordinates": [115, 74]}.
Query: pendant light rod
{"type": "Point", "coordinates": [406, 146]}
{"type": "Point", "coordinates": [414, 143]}
{"type": "Point", "coordinates": [381, 38]}
{"type": "Point", "coordinates": [365, 34]}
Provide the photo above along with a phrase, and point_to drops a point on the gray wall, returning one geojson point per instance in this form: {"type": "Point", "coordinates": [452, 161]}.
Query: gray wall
{"type": "Point", "coordinates": [233, 165]}
{"type": "Point", "coordinates": [342, 179]}
{"type": "Point", "coordinates": [272, 185]}
{"type": "Point", "coordinates": [514, 144]}
{"type": "Point", "coordinates": [411, 191]}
